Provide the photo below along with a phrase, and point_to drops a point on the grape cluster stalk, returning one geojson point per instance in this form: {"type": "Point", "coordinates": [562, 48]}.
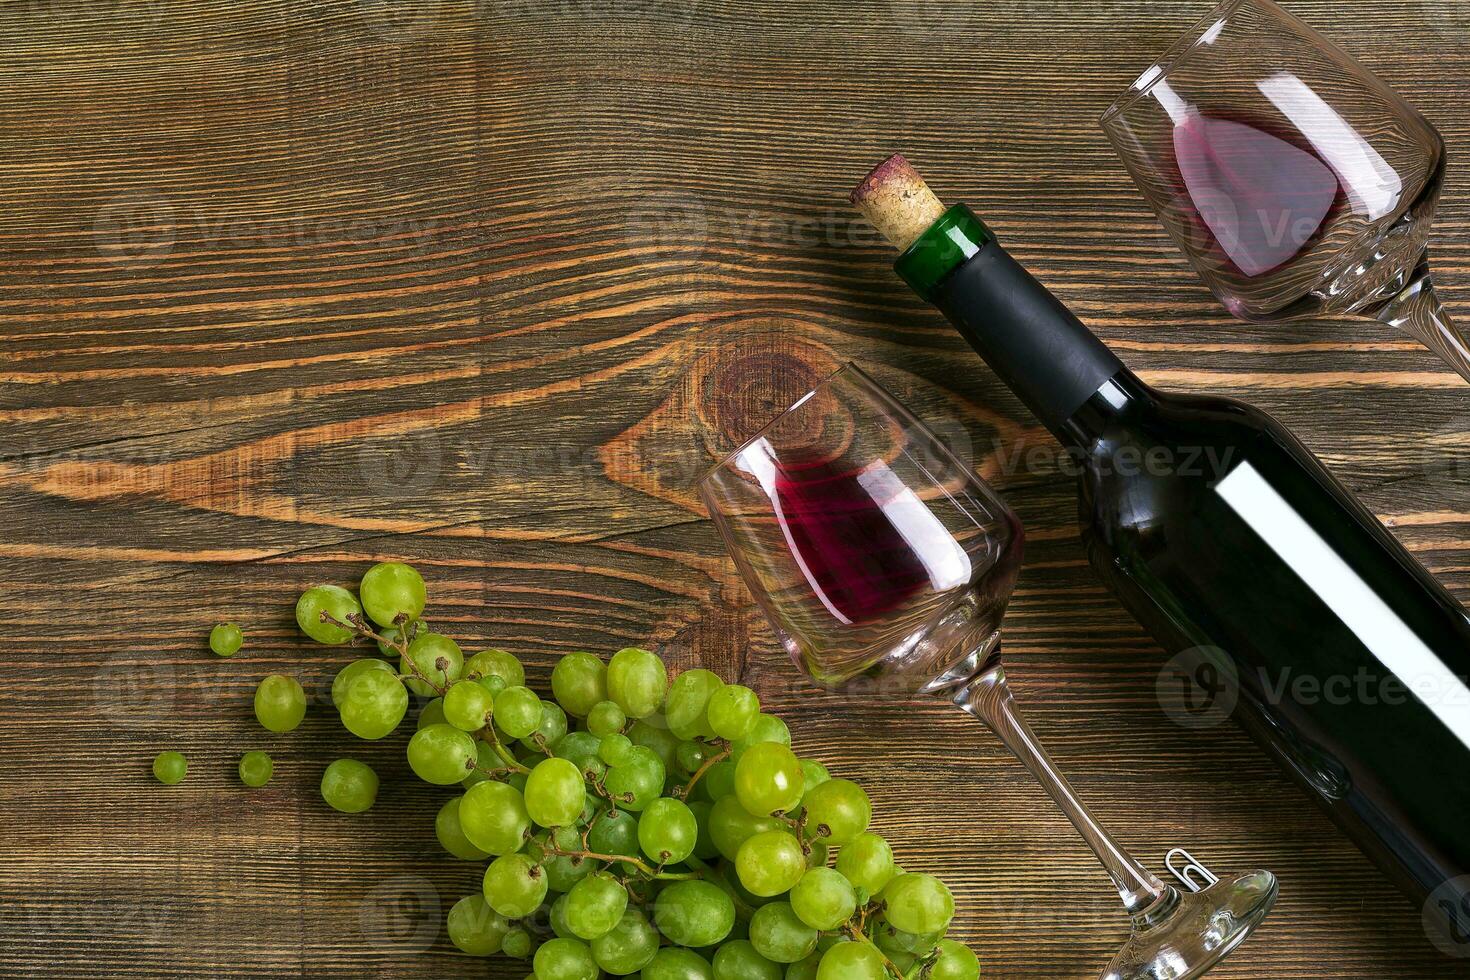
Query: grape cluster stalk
{"type": "Point", "coordinates": [634, 823]}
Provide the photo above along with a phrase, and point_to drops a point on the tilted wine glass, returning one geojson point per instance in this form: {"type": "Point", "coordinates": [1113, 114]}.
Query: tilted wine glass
{"type": "Point", "coordinates": [885, 565]}
{"type": "Point", "coordinates": [1296, 182]}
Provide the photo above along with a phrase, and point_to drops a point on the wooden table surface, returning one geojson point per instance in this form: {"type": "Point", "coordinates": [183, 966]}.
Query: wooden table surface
{"type": "Point", "coordinates": [289, 286]}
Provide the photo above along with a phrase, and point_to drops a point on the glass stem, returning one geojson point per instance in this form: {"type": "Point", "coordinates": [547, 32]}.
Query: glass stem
{"type": "Point", "coordinates": [1418, 312]}
{"type": "Point", "coordinates": [988, 698]}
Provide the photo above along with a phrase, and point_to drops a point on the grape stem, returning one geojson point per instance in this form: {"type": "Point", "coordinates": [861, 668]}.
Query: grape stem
{"type": "Point", "coordinates": [363, 631]}
{"type": "Point", "coordinates": [488, 736]}
{"type": "Point", "coordinates": [684, 791]}
{"type": "Point", "coordinates": [643, 867]}
{"type": "Point", "coordinates": [859, 935]}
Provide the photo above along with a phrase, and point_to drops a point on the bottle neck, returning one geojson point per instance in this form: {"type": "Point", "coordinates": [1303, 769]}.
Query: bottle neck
{"type": "Point", "coordinates": [1034, 343]}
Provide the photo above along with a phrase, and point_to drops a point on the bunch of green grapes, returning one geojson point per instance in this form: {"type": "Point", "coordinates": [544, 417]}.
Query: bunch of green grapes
{"type": "Point", "coordinates": [634, 823]}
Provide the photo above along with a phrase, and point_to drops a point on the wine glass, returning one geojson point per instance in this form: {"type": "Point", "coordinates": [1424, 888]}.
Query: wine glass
{"type": "Point", "coordinates": [1296, 181]}
{"type": "Point", "coordinates": [885, 565]}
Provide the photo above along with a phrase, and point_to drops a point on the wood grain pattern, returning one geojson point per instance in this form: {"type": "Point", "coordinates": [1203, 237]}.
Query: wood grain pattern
{"type": "Point", "coordinates": [290, 286]}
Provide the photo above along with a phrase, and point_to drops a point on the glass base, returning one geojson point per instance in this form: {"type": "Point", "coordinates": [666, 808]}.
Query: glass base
{"type": "Point", "coordinates": [1201, 930]}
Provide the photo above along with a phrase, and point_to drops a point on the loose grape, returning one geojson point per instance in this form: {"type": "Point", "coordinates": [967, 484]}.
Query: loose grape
{"type": "Point", "coordinates": [441, 754]}
{"type": "Point", "coordinates": [169, 768]}
{"type": "Point", "coordinates": [437, 658]}
{"type": "Point", "coordinates": [919, 904]}
{"type": "Point", "coordinates": [555, 793]}
{"type": "Point", "coordinates": [738, 960]}
{"type": "Point", "coordinates": [565, 959]}
{"type": "Point", "coordinates": [595, 905]}
{"type": "Point", "coordinates": [280, 703]}
{"type": "Point", "coordinates": [451, 834]}
{"type": "Point", "coordinates": [779, 936]}
{"type": "Point", "coordinates": [841, 808]}
{"type": "Point", "coordinates": [496, 663]}
{"type": "Point", "coordinates": [638, 781]}
{"type": "Point", "coordinates": [667, 832]}
{"type": "Point", "coordinates": [823, 899]}
{"type": "Point", "coordinates": [514, 885]}
{"type": "Point", "coordinates": [731, 825]}
{"type": "Point", "coordinates": [432, 713]}
{"type": "Point", "coordinates": [226, 639]}
{"type": "Point", "coordinates": [467, 706]}
{"type": "Point", "coordinates": [688, 698]}
{"type": "Point", "coordinates": [615, 750]}
{"type": "Point", "coordinates": [770, 863]}
{"type": "Point", "coordinates": [768, 779]}
{"type": "Point", "coordinates": [672, 963]}
{"type": "Point", "coordinates": [694, 914]}
{"type": "Point", "coordinates": [493, 817]}
{"type": "Point", "coordinates": [334, 600]}
{"type": "Point", "coordinates": [517, 711]}
{"type": "Point", "coordinates": [867, 862]}
{"type": "Point", "coordinates": [374, 704]}
{"type": "Point", "coordinates": [579, 683]}
{"type": "Point", "coordinates": [629, 947]}
{"type": "Point", "coordinates": [605, 719]}
{"type": "Point", "coordinates": [852, 961]}
{"type": "Point", "coordinates": [349, 786]}
{"type": "Point", "coordinates": [636, 680]}
{"type": "Point", "coordinates": [352, 672]}
{"type": "Point", "coordinates": [517, 943]}
{"type": "Point", "coordinates": [391, 589]}
{"type": "Point", "coordinates": [732, 711]}
{"type": "Point", "coordinates": [255, 769]}
{"type": "Point", "coordinates": [475, 928]}
{"type": "Point", "coordinates": [955, 962]}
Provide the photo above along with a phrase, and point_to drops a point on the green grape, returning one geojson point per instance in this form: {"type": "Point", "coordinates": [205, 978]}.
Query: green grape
{"type": "Point", "coordinates": [770, 863]}
{"type": "Point", "coordinates": [738, 960]}
{"type": "Point", "coordinates": [256, 769]}
{"type": "Point", "coordinates": [818, 855]}
{"type": "Point", "coordinates": [432, 713]}
{"type": "Point", "coordinates": [563, 871]}
{"type": "Point", "coordinates": [766, 728]}
{"type": "Point", "coordinates": [436, 657]}
{"type": "Point", "coordinates": [495, 663]}
{"type": "Point", "coordinates": [852, 961]}
{"type": "Point", "coordinates": [672, 963]}
{"type": "Point", "coordinates": [867, 862]}
{"type": "Point", "coordinates": [719, 780]}
{"type": "Point", "coordinates": [606, 719]}
{"type": "Point", "coordinates": [779, 936]}
{"type": "Point", "coordinates": [896, 943]}
{"type": "Point", "coordinates": [579, 683]}
{"type": "Point", "coordinates": [768, 779]}
{"type": "Point", "coordinates": [629, 947]}
{"type": "Point", "coordinates": [388, 636]}
{"type": "Point", "coordinates": [732, 711]}
{"type": "Point", "coordinates": [692, 756]}
{"type": "Point", "coordinates": [349, 786]}
{"type": "Point", "coordinates": [955, 962]}
{"type": "Point", "coordinates": [169, 768]}
{"type": "Point", "coordinates": [638, 781]}
{"type": "Point", "coordinates": [583, 748]}
{"type": "Point", "coordinates": [226, 639]}
{"type": "Point", "coordinates": [467, 706]}
{"type": "Point", "coordinates": [391, 589]}
{"type": "Point", "coordinates": [731, 825]}
{"type": "Point", "coordinates": [352, 672]}
{"type": "Point", "coordinates": [687, 701]}
{"type": "Point", "coordinates": [451, 834]}
{"type": "Point", "coordinates": [374, 704]}
{"type": "Point", "coordinates": [493, 817]}
{"type": "Point", "coordinates": [636, 680]}
{"type": "Point", "coordinates": [486, 761]}
{"type": "Point", "coordinates": [806, 969]}
{"type": "Point", "coordinates": [493, 684]}
{"type": "Point", "coordinates": [823, 899]}
{"type": "Point", "coordinates": [918, 904]}
{"type": "Point", "coordinates": [565, 959]}
{"type": "Point", "coordinates": [615, 750]}
{"type": "Point", "coordinates": [595, 905]}
{"type": "Point", "coordinates": [555, 793]}
{"type": "Point", "coordinates": [667, 832]}
{"type": "Point", "coordinates": [441, 754]}
{"type": "Point", "coordinates": [517, 943]}
{"type": "Point", "coordinates": [816, 774]}
{"type": "Point", "coordinates": [841, 807]}
{"type": "Point", "coordinates": [551, 730]}
{"type": "Point", "coordinates": [514, 885]}
{"type": "Point", "coordinates": [334, 600]}
{"type": "Point", "coordinates": [475, 928]}
{"type": "Point", "coordinates": [280, 703]}
{"type": "Point", "coordinates": [694, 914]}
{"type": "Point", "coordinates": [615, 832]}
{"type": "Point", "coordinates": [517, 711]}
{"type": "Point", "coordinates": [559, 916]}
{"type": "Point", "coordinates": [730, 881]}
{"type": "Point", "coordinates": [651, 734]}
{"type": "Point", "coordinates": [704, 844]}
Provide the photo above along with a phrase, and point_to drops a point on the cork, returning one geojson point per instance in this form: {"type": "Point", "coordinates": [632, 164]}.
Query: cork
{"type": "Point", "coordinates": [898, 202]}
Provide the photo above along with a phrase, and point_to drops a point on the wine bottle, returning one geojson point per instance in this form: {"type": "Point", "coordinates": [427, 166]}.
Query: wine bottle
{"type": "Point", "coordinates": [1237, 549]}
